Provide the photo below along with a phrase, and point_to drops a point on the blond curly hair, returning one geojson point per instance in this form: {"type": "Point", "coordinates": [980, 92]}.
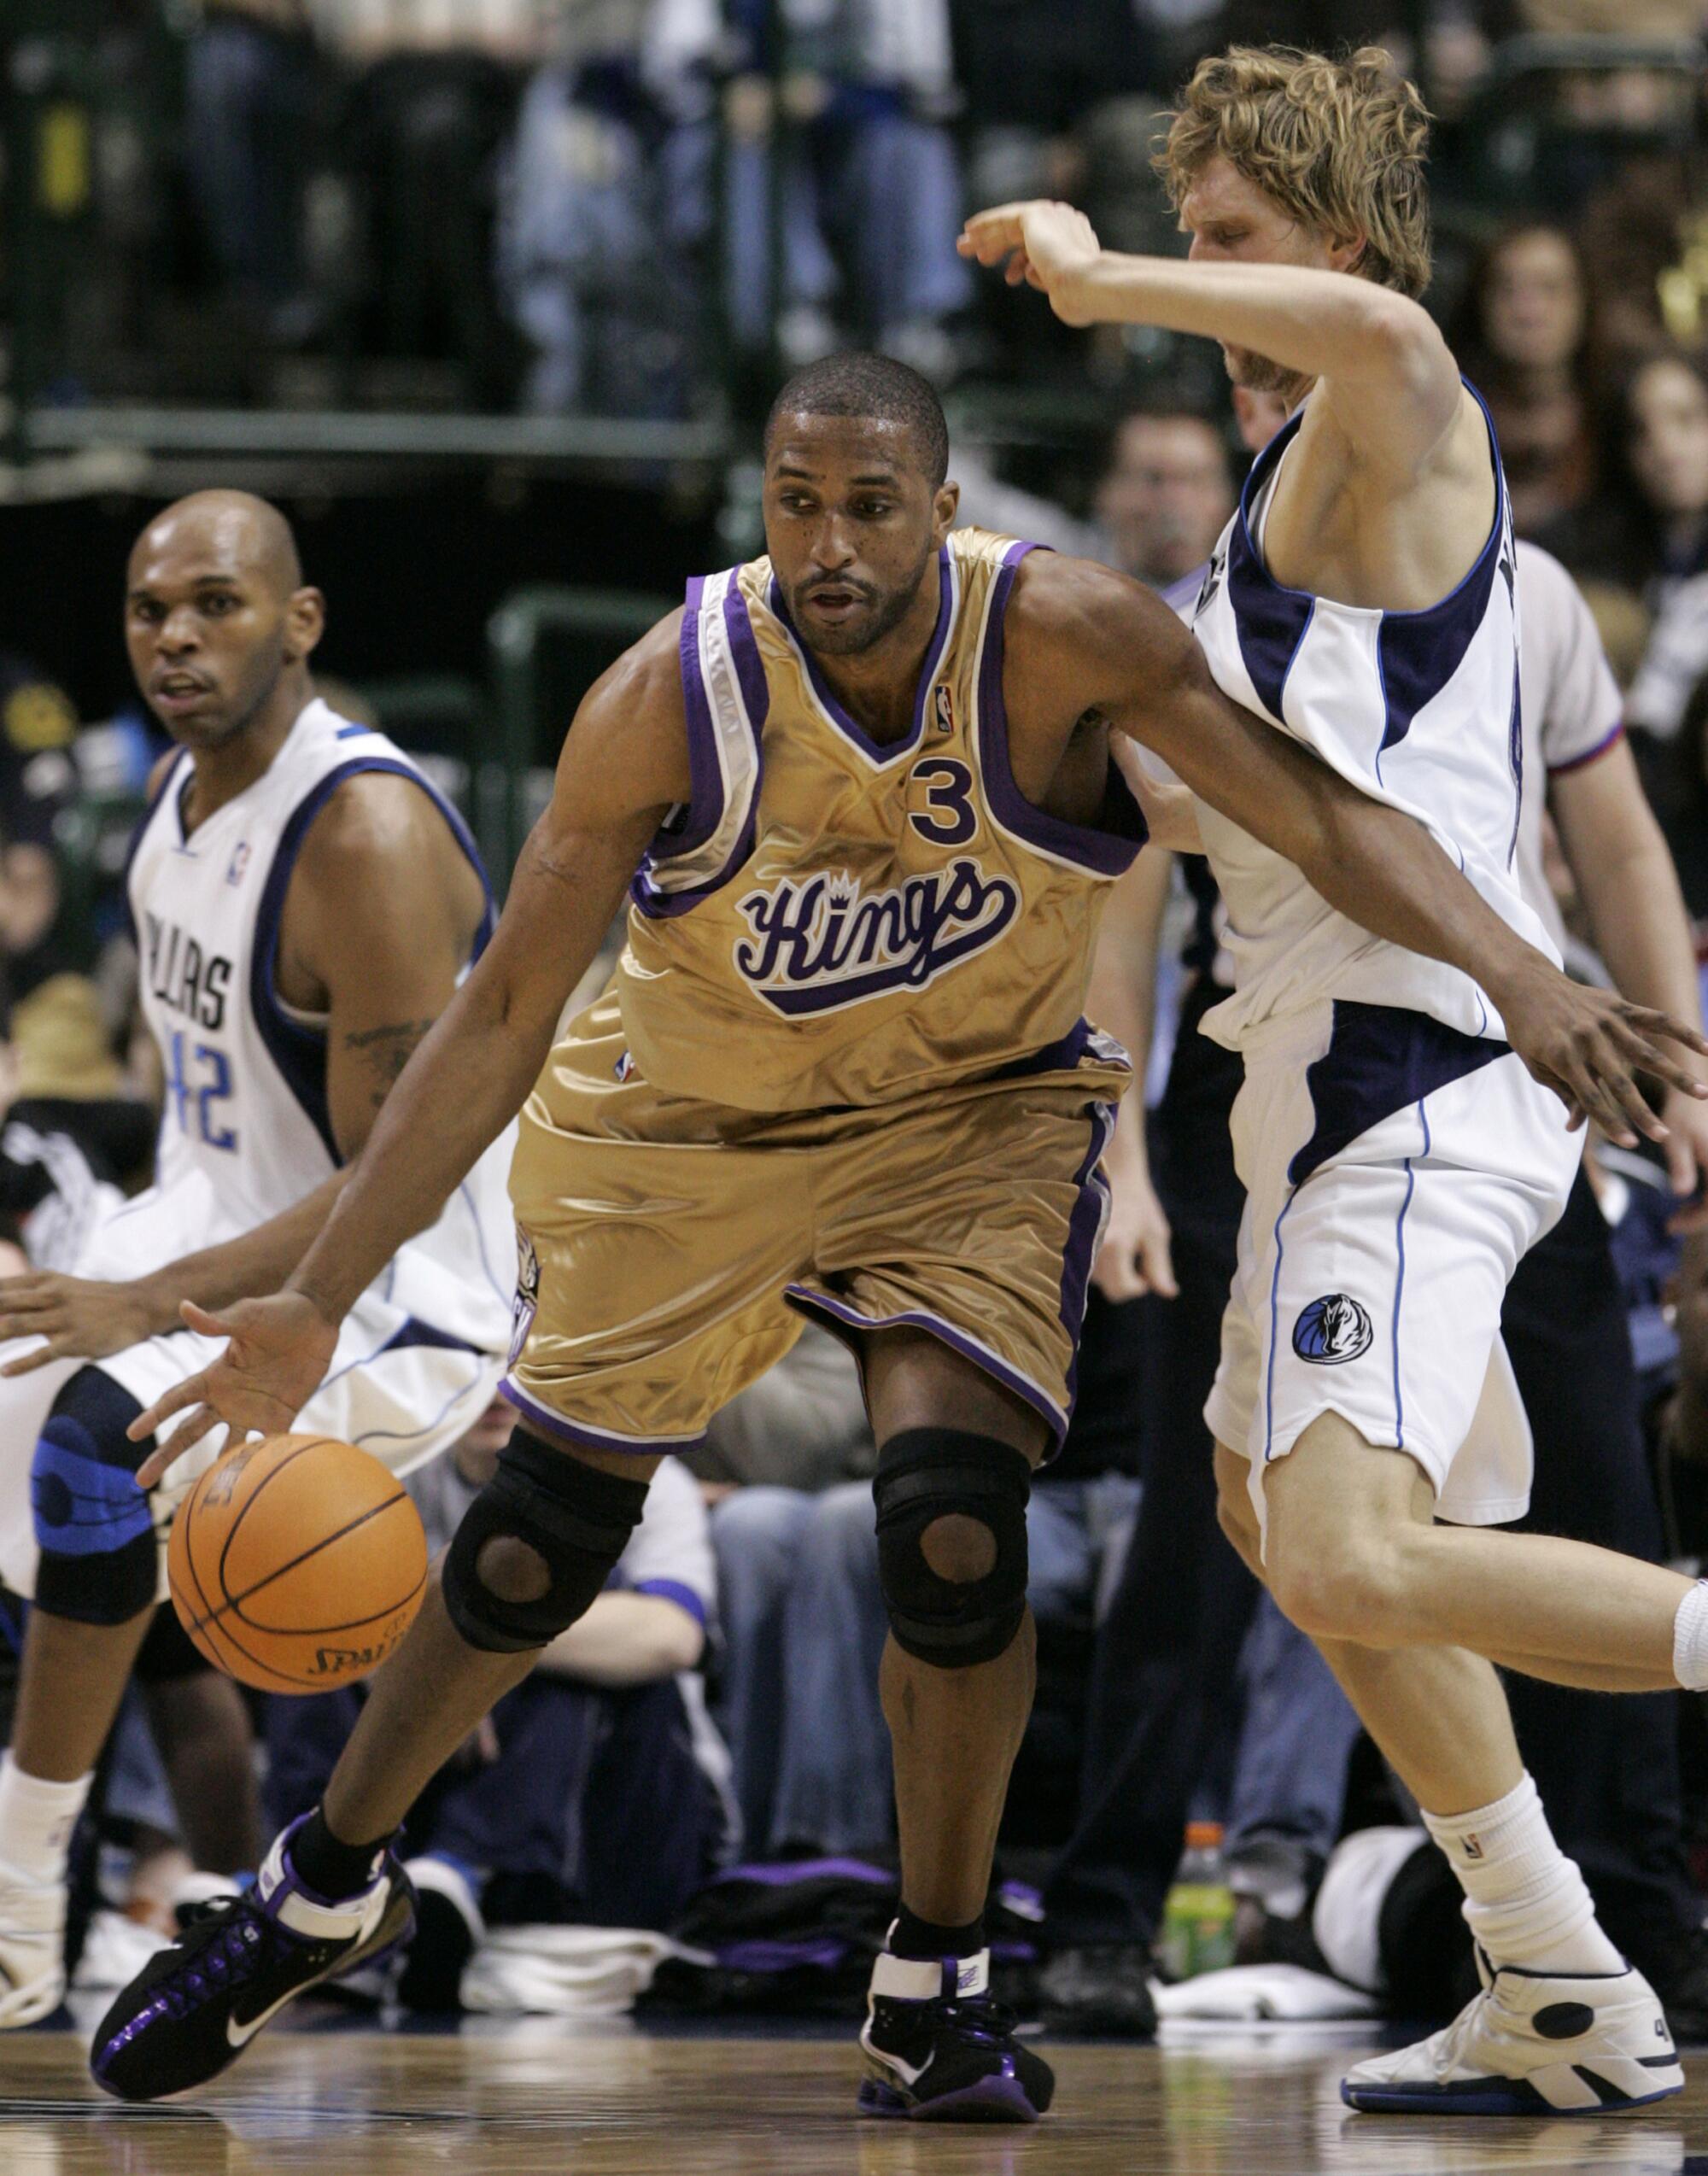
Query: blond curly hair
{"type": "Point", "coordinates": [1339, 144]}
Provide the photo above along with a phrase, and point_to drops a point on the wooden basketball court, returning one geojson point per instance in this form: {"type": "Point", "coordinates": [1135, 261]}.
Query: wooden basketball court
{"type": "Point", "coordinates": [547, 2099]}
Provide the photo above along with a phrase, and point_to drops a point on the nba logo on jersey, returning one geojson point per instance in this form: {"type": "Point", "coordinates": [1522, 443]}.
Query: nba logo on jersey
{"type": "Point", "coordinates": [943, 703]}
{"type": "Point", "coordinates": [1332, 1331]}
{"type": "Point", "coordinates": [624, 1068]}
{"type": "Point", "coordinates": [240, 862]}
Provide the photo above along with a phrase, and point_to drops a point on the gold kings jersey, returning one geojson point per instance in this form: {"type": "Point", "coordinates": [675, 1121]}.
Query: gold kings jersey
{"type": "Point", "coordinates": [833, 923]}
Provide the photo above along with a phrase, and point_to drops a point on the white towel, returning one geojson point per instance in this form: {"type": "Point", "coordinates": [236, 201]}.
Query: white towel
{"type": "Point", "coordinates": [563, 1971]}
{"type": "Point", "coordinates": [1250, 1994]}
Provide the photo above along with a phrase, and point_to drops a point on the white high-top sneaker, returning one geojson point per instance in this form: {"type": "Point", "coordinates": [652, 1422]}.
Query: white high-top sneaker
{"type": "Point", "coordinates": [1531, 2043]}
{"type": "Point", "coordinates": [31, 1948]}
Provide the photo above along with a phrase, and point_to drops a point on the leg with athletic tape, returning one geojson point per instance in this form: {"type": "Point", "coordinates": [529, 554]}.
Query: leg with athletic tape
{"type": "Point", "coordinates": [952, 1543]}
{"type": "Point", "coordinates": [95, 1582]}
{"type": "Point", "coordinates": [536, 1546]}
{"type": "Point", "coordinates": [535, 1549]}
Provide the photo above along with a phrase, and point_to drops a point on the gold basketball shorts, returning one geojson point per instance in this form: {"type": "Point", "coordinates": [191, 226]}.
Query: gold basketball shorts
{"type": "Point", "coordinates": [669, 1248]}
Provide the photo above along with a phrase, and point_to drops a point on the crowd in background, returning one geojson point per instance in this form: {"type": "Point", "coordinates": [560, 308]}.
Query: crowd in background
{"type": "Point", "coordinates": [634, 207]}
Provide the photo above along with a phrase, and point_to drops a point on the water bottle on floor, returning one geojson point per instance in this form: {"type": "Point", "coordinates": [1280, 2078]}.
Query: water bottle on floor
{"type": "Point", "coordinates": [1197, 1918]}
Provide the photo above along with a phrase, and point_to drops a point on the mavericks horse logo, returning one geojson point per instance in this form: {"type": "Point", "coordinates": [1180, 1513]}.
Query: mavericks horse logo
{"type": "Point", "coordinates": [824, 943]}
{"type": "Point", "coordinates": [1332, 1330]}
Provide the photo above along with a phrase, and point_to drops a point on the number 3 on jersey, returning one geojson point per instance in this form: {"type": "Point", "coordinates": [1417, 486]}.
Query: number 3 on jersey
{"type": "Point", "coordinates": [195, 1102]}
{"type": "Point", "coordinates": [947, 818]}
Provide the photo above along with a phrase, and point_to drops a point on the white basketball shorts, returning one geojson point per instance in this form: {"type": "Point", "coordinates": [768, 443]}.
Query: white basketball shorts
{"type": "Point", "coordinates": [1373, 1258]}
{"type": "Point", "coordinates": [397, 1389]}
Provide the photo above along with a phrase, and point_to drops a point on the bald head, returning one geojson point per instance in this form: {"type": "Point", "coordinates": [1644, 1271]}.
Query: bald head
{"type": "Point", "coordinates": [234, 531]}
{"type": "Point", "coordinates": [218, 620]}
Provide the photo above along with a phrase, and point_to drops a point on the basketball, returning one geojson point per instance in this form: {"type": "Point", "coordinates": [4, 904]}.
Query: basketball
{"type": "Point", "coordinates": [297, 1564]}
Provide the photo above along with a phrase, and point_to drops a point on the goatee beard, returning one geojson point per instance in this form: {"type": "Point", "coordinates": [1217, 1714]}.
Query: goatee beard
{"type": "Point", "coordinates": [1261, 374]}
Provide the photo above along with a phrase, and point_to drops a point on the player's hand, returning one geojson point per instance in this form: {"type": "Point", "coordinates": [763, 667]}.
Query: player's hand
{"type": "Point", "coordinates": [1136, 1256]}
{"type": "Point", "coordinates": [279, 1352]}
{"type": "Point", "coordinates": [1040, 244]}
{"type": "Point", "coordinates": [78, 1318]}
{"type": "Point", "coordinates": [1589, 1046]}
{"type": "Point", "coordinates": [1687, 1159]}
{"type": "Point", "coordinates": [1170, 810]}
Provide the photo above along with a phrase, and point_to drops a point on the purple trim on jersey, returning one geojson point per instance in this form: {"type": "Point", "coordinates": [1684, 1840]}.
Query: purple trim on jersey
{"type": "Point", "coordinates": [749, 666]}
{"type": "Point", "coordinates": [707, 806]}
{"type": "Point", "coordinates": [673, 1590]}
{"type": "Point", "coordinates": [879, 751]}
{"type": "Point", "coordinates": [1109, 848]}
{"type": "Point", "coordinates": [1380, 1059]}
{"type": "Point", "coordinates": [591, 1439]}
{"type": "Point", "coordinates": [705, 791]}
{"type": "Point", "coordinates": [299, 1052]}
{"type": "Point", "coordinates": [1603, 746]}
{"type": "Point", "coordinates": [842, 1315]}
{"type": "Point", "coordinates": [1084, 1229]}
{"type": "Point", "coordinates": [1054, 1057]}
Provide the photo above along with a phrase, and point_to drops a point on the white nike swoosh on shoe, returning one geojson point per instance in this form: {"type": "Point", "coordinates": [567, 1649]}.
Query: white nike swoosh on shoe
{"type": "Point", "coordinates": [906, 2071]}
{"type": "Point", "coordinates": [240, 2035]}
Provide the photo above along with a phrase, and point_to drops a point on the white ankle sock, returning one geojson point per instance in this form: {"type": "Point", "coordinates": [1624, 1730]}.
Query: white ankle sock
{"type": "Point", "coordinates": [1690, 1640]}
{"type": "Point", "coordinates": [1525, 1901]}
{"type": "Point", "coordinates": [36, 1821]}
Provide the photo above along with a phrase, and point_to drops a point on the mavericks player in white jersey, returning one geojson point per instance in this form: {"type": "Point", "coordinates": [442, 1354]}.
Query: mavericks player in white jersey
{"type": "Point", "coordinates": [305, 904]}
{"type": "Point", "coordinates": [1398, 1160]}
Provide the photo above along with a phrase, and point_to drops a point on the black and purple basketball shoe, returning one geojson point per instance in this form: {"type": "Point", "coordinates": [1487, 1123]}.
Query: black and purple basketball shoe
{"type": "Point", "coordinates": [194, 2008]}
{"type": "Point", "coordinates": [939, 2050]}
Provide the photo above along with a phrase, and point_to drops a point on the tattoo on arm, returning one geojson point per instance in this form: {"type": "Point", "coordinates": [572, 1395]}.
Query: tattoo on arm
{"type": "Point", "coordinates": [384, 1052]}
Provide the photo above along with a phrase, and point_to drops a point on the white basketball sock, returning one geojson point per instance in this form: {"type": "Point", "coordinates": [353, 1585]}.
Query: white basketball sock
{"type": "Point", "coordinates": [1690, 1640]}
{"type": "Point", "coordinates": [36, 1821]}
{"type": "Point", "coordinates": [1525, 1901]}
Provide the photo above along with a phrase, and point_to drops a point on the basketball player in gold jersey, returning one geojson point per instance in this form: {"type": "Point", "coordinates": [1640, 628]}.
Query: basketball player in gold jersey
{"type": "Point", "coordinates": [860, 795]}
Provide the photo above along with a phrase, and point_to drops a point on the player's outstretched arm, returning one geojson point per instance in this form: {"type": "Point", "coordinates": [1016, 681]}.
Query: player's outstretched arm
{"type": "Point", "coordinates": [1083, 640]}
{"type": "Point", "coordinates": [1391, 377]}
{"type": "Point", "coordinates": [624, 764]}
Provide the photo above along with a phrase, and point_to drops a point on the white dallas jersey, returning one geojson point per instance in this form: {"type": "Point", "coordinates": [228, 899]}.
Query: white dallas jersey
{"type": "Point", "coordinates": [245, 1133]}
{"type": "Point", "coordinates": [1419, 709]}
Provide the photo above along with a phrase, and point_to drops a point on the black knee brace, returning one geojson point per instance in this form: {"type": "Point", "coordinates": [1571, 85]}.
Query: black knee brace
{"type": "Point", "coordinates": [930, 1473]}
{"type": "Point", "coordinates": [576, 1520]}
{"type": "Point", "coordinates": [99, 1558]}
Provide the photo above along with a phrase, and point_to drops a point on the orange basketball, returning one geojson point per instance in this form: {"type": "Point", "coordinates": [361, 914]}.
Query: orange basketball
{"type": "Point", "coordinates": [296, 1562]}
